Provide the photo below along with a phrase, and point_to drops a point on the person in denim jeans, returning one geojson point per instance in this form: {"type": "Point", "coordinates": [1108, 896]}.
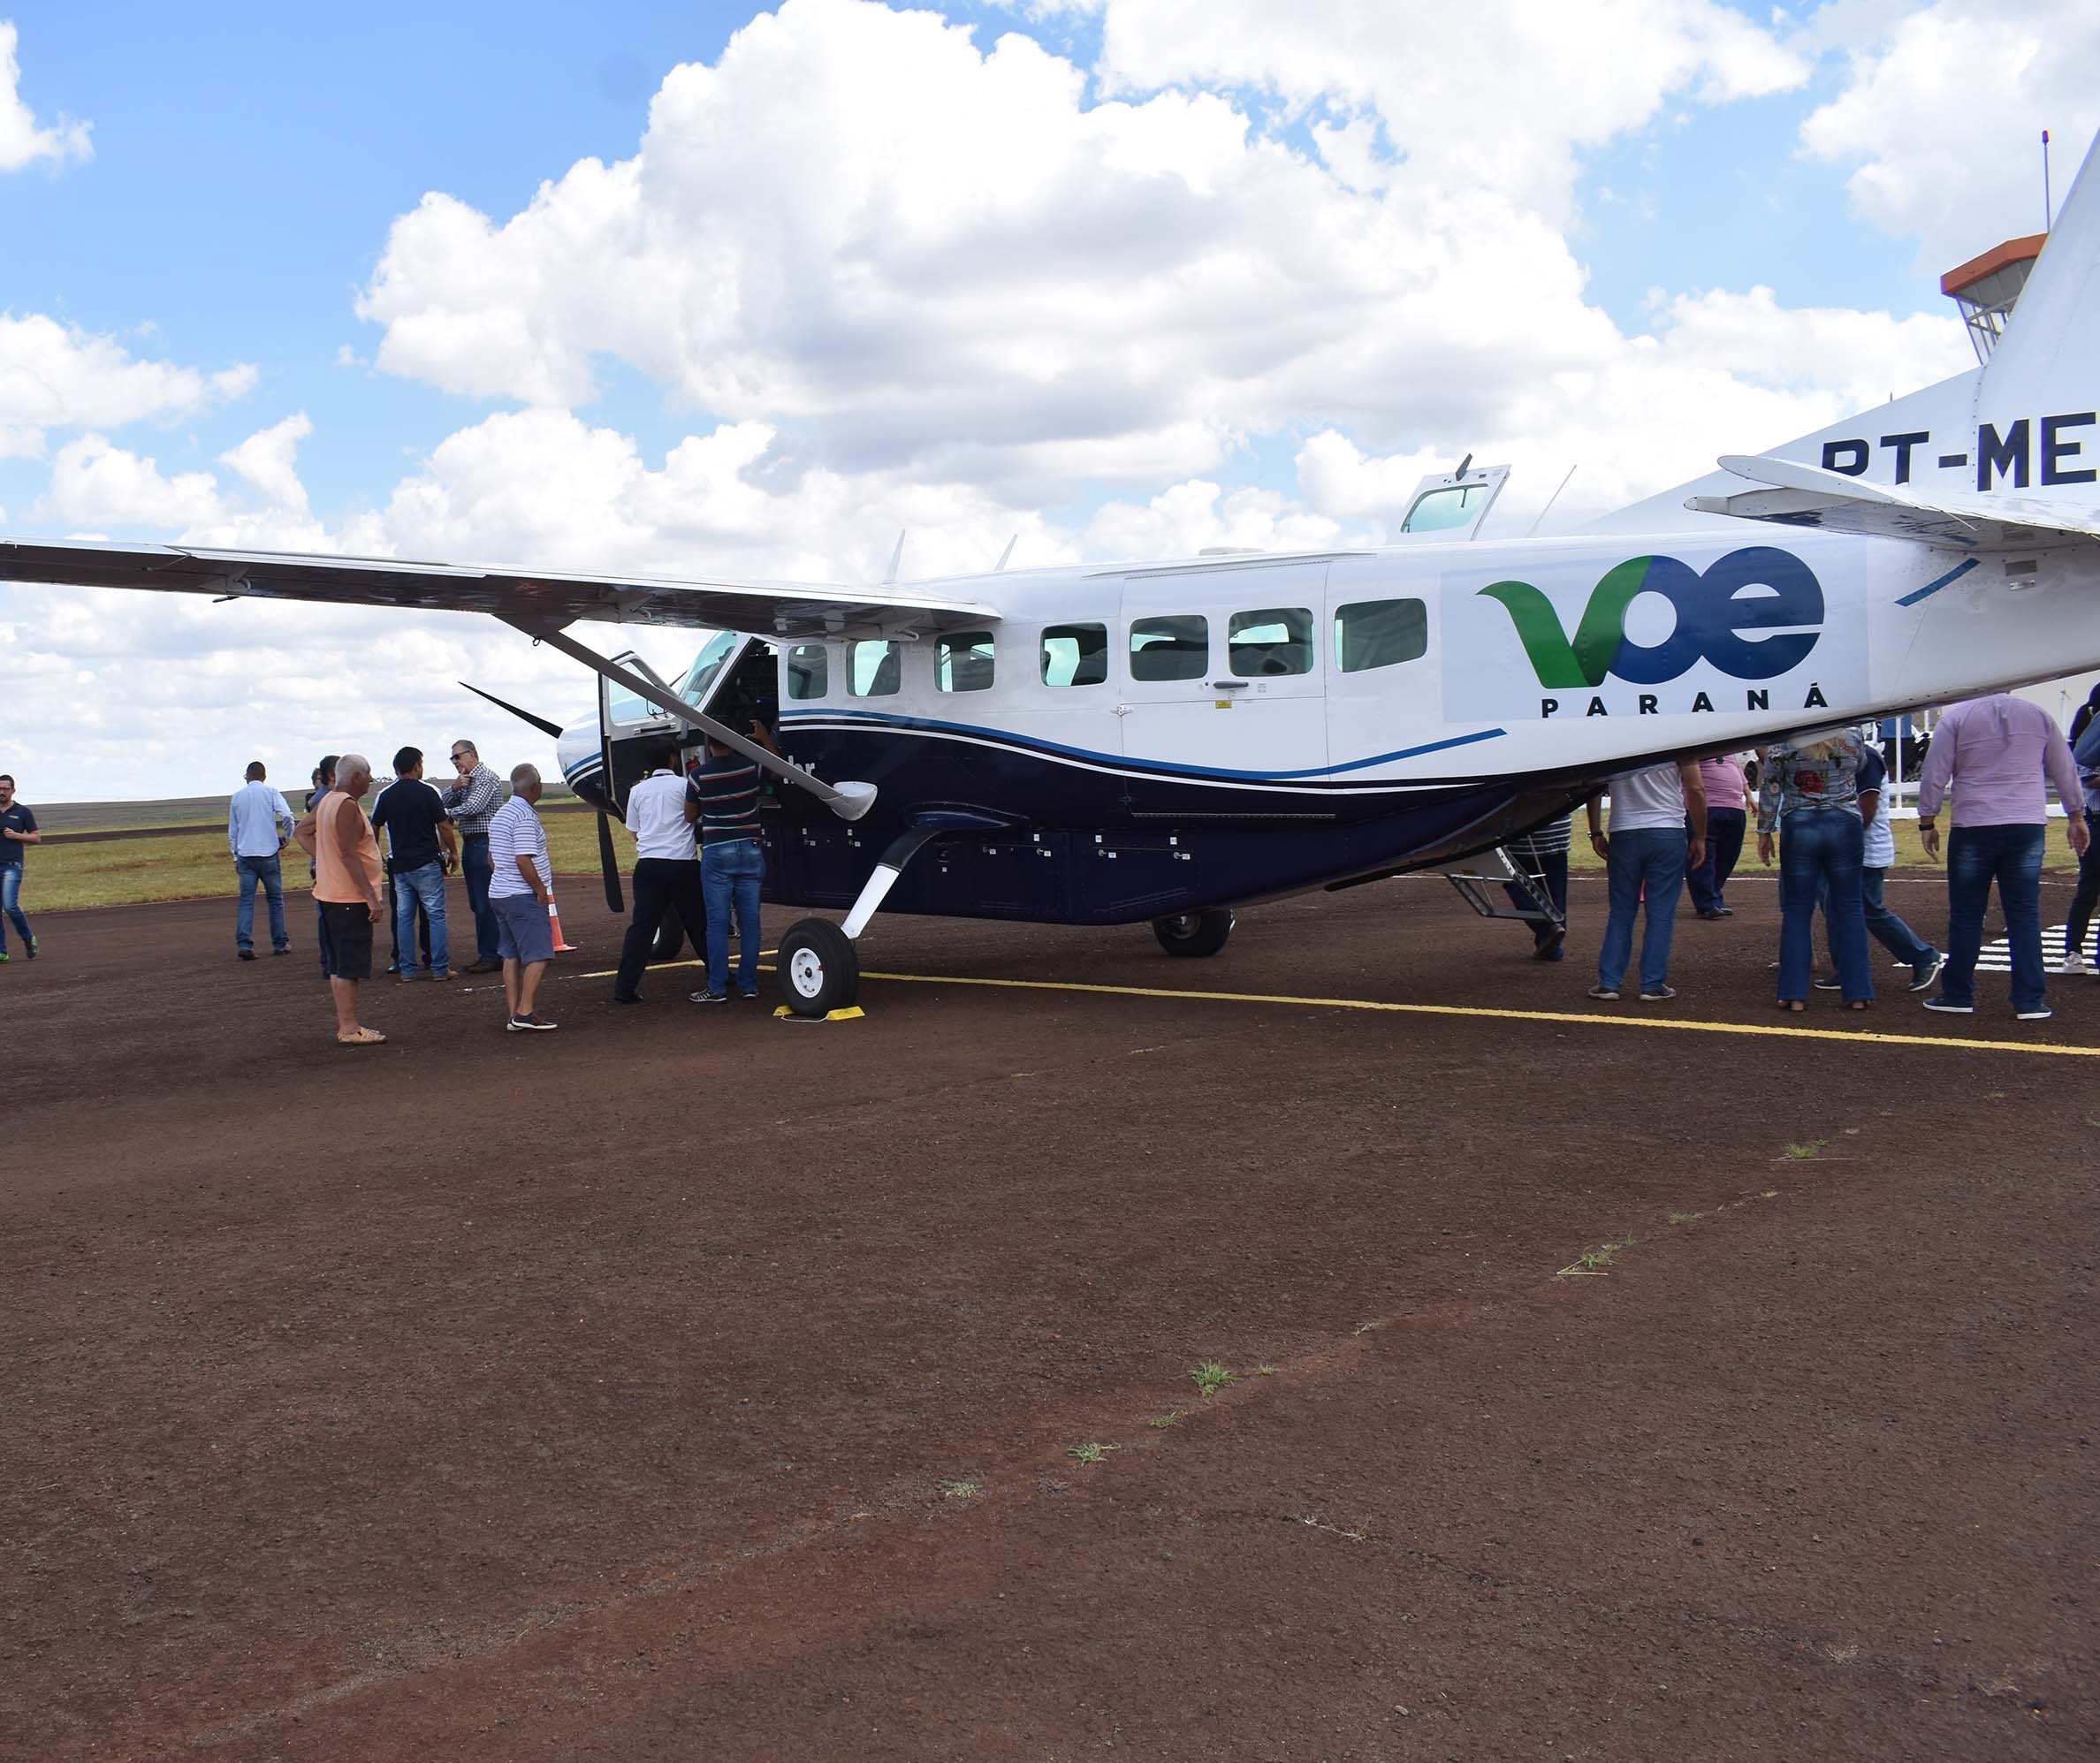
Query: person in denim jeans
{"type": "Point", "coordinates": [2088, 895]}
{"type": "Point", "coordinates": [1809, 789]}
{"type": "Point", "coordinates": [258, 826]}
{"type": "Point", "coordinates": [17, 829]}
{"type": "Point", "coordinates": [1996, 754]}
{"type": "Point", "coordinates": [423, 848]}
{"type": "Point", "coordinates": [1658, 828]}
{"type": "Point", "coordinates": [722, 795]}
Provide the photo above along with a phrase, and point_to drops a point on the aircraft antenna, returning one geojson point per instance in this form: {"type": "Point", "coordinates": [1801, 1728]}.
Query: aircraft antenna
{"type": "Point", "coordinates": [1006, 555]}
{"type": "Point", "coordinates": [896, 558]}
{"type": "Point", "coordinates": [2048, 208]}
{"type": "Point", "coordinates": [1532, 531]}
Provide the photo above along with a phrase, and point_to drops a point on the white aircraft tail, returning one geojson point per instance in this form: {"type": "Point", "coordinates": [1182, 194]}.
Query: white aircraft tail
{"type": "Point", "coordinates": [2008, 453]}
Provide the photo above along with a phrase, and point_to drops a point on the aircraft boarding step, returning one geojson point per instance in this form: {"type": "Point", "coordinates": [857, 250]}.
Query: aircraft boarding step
{"type": "Point", "coordinates": [1474, 889]}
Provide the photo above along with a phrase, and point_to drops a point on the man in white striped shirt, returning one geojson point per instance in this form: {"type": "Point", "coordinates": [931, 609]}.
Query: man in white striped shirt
{"type": "Point", "coordinates": [521, 886]}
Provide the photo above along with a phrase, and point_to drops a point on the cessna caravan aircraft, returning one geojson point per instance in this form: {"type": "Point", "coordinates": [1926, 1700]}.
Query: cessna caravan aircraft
{"type": "Point", "coordinates": [1167, 741]}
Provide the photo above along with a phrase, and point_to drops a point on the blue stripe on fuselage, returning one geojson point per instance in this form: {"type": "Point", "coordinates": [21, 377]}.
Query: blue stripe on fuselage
{"type": "Point", "coordinates": [1120, 761]}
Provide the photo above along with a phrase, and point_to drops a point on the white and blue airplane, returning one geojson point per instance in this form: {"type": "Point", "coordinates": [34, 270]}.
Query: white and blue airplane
{"type": "Point", "coordinates": [1168, 742]}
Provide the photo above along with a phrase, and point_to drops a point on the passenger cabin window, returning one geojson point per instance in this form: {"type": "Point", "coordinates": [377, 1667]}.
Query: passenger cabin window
{"type": "Point", "coordinates": [809, 670]}
{"type": "Point", "coordinates": [1075, 654]}
{"type": "Point", "coordinates": [962, 661]}
{"type": "Point", "coordinates": [1175, 647]}
{"type": "Point", "coordinates": [1267, 644]}
{"type": "Point", "coordinates": [1436, 509]}
{"type": "Point", "coordinates": [1380, 634]}
{"type": "Point", "coordinates": [875, 668]}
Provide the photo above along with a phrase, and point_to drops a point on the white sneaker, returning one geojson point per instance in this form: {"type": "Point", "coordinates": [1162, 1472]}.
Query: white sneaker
{"type": "Point", "coordinates": [2073, 963]}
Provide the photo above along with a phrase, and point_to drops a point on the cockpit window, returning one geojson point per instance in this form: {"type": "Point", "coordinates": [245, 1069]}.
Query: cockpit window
{"type": "Point", "coordinates": [701, 675]}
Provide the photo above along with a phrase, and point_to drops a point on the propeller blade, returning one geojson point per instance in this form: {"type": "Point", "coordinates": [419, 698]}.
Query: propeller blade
{"type": "Point", "coordinates": [538, 722]}
{"type": "Point", "coordinates": [609, 862]}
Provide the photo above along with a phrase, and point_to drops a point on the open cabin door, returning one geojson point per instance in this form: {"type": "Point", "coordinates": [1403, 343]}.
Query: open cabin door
{"type": "Point", "coordinates": [624, 719]}
{"type": "Point", "coordinates": [1452, 506]}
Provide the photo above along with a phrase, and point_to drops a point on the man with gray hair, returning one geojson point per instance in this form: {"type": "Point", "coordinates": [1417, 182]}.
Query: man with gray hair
{"type": "Point", "coordinates": [471, 798]}
{"type": "Point", "coordinates": [520, 890]}
{"type": "Point", "coordinates": [348, 882]}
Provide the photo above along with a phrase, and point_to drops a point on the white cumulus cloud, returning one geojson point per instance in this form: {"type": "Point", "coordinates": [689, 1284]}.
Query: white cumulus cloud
{"type": "Point", "coordinates": [1942, 112]}
{"type": "Point", "coordinates": [23, 140]}
{"type": "Point", "coordinates": [55, 375]}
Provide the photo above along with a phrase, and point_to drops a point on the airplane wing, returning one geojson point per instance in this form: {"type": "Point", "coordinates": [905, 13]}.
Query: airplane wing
{"type": "Point", "coordinates": [543, 597]}
{"type": "Point", "coordinates": [1807, 496]}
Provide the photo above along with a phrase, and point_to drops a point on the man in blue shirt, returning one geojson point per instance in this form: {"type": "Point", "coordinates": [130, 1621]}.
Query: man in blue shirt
{"type": "Point", "coordinates": [258, 822]}
{"type": "Point", "coordinates": [18, 831]}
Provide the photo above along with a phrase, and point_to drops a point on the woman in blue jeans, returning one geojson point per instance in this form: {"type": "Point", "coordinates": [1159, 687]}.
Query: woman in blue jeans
{"type": "Point", "coordinates": [1808, 790]}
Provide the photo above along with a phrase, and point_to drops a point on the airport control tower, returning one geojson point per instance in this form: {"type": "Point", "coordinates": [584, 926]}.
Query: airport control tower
{"type": "Point", "coordinates": [1986, 288]}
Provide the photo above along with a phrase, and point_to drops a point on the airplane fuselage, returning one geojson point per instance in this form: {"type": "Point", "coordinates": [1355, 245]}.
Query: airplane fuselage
{"type": "Point", "coordinates": [1140, 741]}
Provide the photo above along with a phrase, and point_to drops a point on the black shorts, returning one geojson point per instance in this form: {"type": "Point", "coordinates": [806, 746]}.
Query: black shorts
{"type": "Point", "coordinates": [347, 938]}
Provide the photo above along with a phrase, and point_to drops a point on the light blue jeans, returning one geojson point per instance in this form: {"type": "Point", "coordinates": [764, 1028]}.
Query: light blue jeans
{"type": "Point", "coordinates": [732, 874]}
{"type": "Point", "coordinates": [11, 904]}
{"type": "Point", "coordinates": [428, 885]}
{"type": "Point", "coordinates": [269, 873]}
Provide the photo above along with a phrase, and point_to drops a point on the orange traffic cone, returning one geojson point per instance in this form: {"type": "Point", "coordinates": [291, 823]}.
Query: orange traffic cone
{"type": "Point", "coordinates": [562, 947]}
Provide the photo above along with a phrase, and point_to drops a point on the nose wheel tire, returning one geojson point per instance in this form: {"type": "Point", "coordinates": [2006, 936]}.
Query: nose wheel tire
{"type": "Point", "coordinates": [819, 970]}
{"type": "Point", "coordinates": [670, 938]}
{"type": "Point", "coordinates": [1193, 933]}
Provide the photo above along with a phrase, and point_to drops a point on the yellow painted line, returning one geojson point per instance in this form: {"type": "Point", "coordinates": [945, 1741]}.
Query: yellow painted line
{"type": "Point", "coordinates": [654, 967]}
{"type": "Point", "coordinates": [1579, 1018]}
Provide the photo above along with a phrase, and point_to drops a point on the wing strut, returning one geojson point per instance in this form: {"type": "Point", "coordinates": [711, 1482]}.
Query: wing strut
{"type": "Point", "coordinates": [847, 800]}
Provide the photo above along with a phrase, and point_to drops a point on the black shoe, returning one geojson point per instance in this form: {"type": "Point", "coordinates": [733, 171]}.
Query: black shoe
{"type": "Point", "coordinates": [1833, 984]}
{"type": "Point", "coordinates": [627, 997]}
{"type": "Point", "coordinates": [284, 951]}
{"type": "Point", "coordinates": [244, 955]}
{"type": "Point", "coordinates": [746, 996]}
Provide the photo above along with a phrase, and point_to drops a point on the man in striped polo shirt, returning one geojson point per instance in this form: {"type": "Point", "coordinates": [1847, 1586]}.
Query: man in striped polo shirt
{"type": "Point", "coordinates": [722, 794]}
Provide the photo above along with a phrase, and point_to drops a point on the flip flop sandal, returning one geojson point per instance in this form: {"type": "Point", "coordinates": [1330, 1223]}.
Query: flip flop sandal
{"type": "Point", "coordinates": [363, 1038]}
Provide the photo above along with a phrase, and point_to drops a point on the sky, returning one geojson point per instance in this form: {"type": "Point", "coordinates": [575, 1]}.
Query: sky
{"type": "Point", "coordinates": [700, 289]}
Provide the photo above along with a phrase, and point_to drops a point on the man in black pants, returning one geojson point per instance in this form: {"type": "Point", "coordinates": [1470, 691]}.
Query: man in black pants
{"type": "Point", "coordinates": [666, 869]}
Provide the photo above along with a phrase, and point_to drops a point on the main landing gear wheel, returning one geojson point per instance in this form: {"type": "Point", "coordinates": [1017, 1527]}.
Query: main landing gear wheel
{"type": "Point", "coordinates": [670, 938]}
{"type": "Point", "coordinates": [1193, 933]}
{"type": "Point", "coordinates": [819, 972]}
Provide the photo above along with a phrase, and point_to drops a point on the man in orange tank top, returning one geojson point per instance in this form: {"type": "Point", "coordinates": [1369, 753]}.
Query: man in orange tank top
{"type": "Point", "coordinates": [347, 880]}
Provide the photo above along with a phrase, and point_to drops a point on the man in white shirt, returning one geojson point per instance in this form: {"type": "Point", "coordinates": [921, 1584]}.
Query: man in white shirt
{"type": "Point", "coordinates": [521, 890]}
{"type": "Point", "coordinates": [666, 869]}
{"type": "Point", "coordinates": [258, 822]}
{"type": "Point", "coordinates": [1658, 830]}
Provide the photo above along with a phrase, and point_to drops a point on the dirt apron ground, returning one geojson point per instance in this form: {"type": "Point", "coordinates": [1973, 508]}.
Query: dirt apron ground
{"type": "Point", "coordinates": [686, 1384]}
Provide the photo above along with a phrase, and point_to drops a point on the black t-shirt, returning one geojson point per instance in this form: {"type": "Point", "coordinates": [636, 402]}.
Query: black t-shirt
{"type": "Point", "coordinates": [409, 810]}
{"type": "Point", "coordinates": [14, 814]}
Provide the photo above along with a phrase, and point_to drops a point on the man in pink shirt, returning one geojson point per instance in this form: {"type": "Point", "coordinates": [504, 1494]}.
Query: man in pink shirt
{"type": "Point", "coordinates": [1727, 817]}
{"type": "Point", "coordinates": [1996, 753]}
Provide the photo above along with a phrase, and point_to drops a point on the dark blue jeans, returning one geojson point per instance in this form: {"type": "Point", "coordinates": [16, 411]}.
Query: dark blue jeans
{"type": "Point", "coordinates": [269, 874]}
{"type": "Point", "coordinates": [1883, 925]}
{"type": "Point", "coordinates": [2085, 900]}
{"type": "Point", "coordinates": [2012, 857]}
{"type": "Point", "coordinates": [732, 875]}
{"type": "Point", "coordinates": [1820, 849]}
{"type": "Point", "coordinates": [1642, 861]}
{"type": "Point", "coordinates": [1723, 845]}
{"type": "Point", "coordinates": [476, 867]}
